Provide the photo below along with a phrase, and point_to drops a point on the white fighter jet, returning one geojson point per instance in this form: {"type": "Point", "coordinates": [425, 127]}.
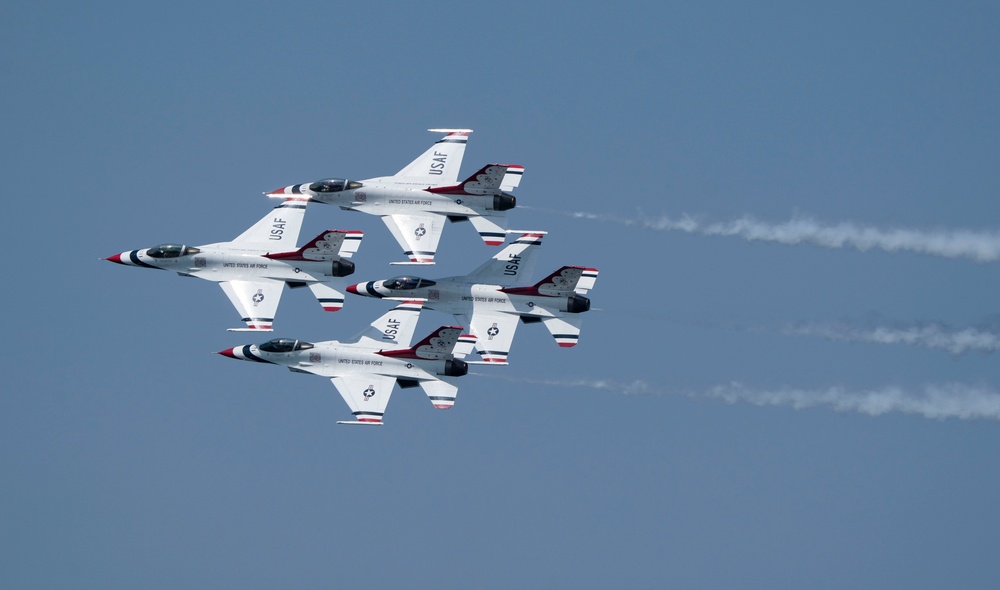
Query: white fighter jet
{"type": "Point", "coordinates": [365, 370]}
{"type": "Point", "coordinates": [253, 268]}
{"type": "Point", "coordinates": [488, 304]}
{"type": "Point", "coordinates": [415, 203]}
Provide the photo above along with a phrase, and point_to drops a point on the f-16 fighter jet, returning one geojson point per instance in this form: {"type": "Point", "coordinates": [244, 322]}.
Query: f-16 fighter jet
{"type": "Point", "coordinates": [365, 369]}
{"type": "Point", "coordinates": [415, 203]}
{"type": "Point", "coordinates": [253, 268]}
{"type": "Point", "coordinates": [487, 303]}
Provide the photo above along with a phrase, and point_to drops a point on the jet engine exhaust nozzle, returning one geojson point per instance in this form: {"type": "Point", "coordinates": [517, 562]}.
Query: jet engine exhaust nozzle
{"type": "Point", "coordinates": [577, 304]}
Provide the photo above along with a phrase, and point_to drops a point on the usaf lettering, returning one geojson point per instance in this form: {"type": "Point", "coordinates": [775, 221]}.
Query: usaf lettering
{"type": "Point", "coordinates": [437, 167]}
{"type": "Point", "coordinates": [391, 329]}
{"type": "Point", "coordinates": [512, 265]}
{"type": "Point", "coordinates": [279, 228]}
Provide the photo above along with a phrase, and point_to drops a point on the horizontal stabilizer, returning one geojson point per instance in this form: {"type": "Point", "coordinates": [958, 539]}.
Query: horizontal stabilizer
{"type": "Point", "coordinates": [488, 180]}
{"type": "Point", "coordinates": [441, 393]}
{"type": "Point", "coordinates": [331, 244]}
{"type": "Point", "coordinates": [465, 345]}
{"type": "Point", "coordinates": [489, 230]}
{"type": "Point", "coordinates": [566, 330]}
{"type": "Point", "coordinates": [512, 178]}
{"type": "Point", "coordinates": [565, 281]}
{"type": "Point", "coordinates": [331, 299]}
{"type": "Point", "coordinates": [359, 423]}
{"type": "Point", "coordinates": [439, 345]}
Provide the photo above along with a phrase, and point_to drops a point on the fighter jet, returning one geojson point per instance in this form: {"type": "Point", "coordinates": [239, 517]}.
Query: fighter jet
{"type": "Point", "coordinates": [488, 304]}
{"type": "Point", "coordinates": [416, 201]}
{"type": "Point", "coordinates": [253, 268]}
{"type": "Point", "coordinates": [365, 369]}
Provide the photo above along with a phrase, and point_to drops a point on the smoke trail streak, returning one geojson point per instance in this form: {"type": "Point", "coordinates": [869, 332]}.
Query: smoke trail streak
{"type": "Point", "coordinates": [981, 246]}
{"type": "Point", "coordinates": [929, 336]}
{"type": "Point", "coordinates": [938, 402]}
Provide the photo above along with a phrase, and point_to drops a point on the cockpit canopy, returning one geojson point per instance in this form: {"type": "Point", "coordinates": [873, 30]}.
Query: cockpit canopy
{"type": "Point", "coordinates": [406, 283]}
{"type": "Point", "coordinates": [284, 345]}
{"type": "Point", "coordinates": [333, 185]}
{"type": "Point", "coordinates": [170, 251]}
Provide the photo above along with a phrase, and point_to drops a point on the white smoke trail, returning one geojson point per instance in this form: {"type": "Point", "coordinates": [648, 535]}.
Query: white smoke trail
{"type": "Point", "coordinates": [981, 246]}
{"type": "Point", "coordinates": [950, 400]}
{"type": "Point", "coordinates": [929, 336]}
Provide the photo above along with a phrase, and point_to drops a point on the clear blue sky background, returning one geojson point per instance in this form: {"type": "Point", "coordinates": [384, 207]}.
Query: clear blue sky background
{"type": "Point", "coordinates": [132, 457]}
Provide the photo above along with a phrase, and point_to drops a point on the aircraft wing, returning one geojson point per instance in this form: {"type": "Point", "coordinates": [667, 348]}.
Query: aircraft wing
{"type": "Point", "coordinates": [366, 394]}
{"type": "Point", "coordinates": [417, 233]}
{"type": "Point", "coordinates": [257, 301]}
{"type": "Point", "coordinates": [494, 332]}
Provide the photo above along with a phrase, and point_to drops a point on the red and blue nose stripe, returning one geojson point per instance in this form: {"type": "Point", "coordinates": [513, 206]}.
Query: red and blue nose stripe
{"type": "Point", "coordinates": [243, 353]}
{"type": "Point", "coordinates": [365, 289]}
{"type": "Point", "coordinates": [130, 258]}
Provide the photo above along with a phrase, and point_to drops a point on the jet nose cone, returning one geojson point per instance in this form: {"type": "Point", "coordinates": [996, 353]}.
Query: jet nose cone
{"type": "Point", "coordinates": [117, 258]}
{"type": "Point", "coordinates": [353, 289]}
{"type": "Point", "coordinates": [278, 192]}
{"type": "Point", "coordinates": [228, 352]}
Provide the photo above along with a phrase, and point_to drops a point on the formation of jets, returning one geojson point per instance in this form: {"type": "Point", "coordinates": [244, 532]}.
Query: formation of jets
{"type": "Point", "coordinates": [487, 304]}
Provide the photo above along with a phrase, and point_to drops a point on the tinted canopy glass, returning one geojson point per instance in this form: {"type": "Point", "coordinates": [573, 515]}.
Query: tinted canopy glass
{"type": "Point", "coordinates": [333, 185]}
{"type": "Point", "coordinates": [284, 345]}
{"type": "Point", "coordinates": [406, 283]}
{"type": "Point", "coordinates": [171, 251]}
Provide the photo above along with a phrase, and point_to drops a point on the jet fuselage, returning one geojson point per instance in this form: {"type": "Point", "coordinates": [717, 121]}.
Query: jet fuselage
{"type": "Point", "coordinates": [390, 195]}
{"type": "Point", "coordinates": [234, 261]}
{"type": "Point", "coordinates": [458, 296]}
{"type": "Point", "coordinates": [333, 358]}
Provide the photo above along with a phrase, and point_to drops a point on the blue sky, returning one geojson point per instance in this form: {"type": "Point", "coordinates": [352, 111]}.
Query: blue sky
{"type": "Point", "coordinates": [773, 412]}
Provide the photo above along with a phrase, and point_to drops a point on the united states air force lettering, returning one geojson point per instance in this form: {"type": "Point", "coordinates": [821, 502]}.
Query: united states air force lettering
{"type": "Point", "coordinates": [409, 202]}
{"type": "Point", "coordinates": [479, 299]}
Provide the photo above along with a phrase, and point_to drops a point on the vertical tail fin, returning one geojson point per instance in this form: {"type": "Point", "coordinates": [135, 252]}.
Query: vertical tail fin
{"type": "Point", "coordinates": [394, 330]}
{"type": "Point", "coordinates": [513, 263]}
{"type": "Point", "coordinates": [439, 165]}
{"type": "Point", "coordinates": [280, 227]}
